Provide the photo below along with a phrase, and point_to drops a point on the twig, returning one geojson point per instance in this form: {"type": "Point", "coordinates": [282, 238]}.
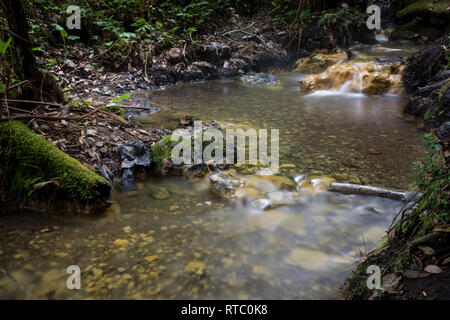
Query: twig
{"type": "Point", "coordinates": [131, 107]}
{"type": "Point", "coordinates": [33, 102]}
{"type": "Point", "coordinates": [240, 30]}
{"type": "Point", "coordinates": [90, 113]}
{"type": "Point", "coordinates": [17, 85]}
{"type": "Point", "coordinates": [37, 116]}
{"type": "Point", "coordinates": [364, 241]}
{"type": "Point", "coordinates": [21, 110]}
{"type": "Point", "coordinates": [25, 290]}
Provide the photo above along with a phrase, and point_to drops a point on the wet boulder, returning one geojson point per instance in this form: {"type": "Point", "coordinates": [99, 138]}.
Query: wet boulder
{"type": "Point", "coordinates": [424, 65]}
{"type": "Point", "coordinates": [422, 20]}
{"type": "Point", "coordinates": [226, 185]}
{"type": "Point", "coordinates": [213, 52]}
{"type": "Point", "coordinates": [319, 61]}
{"type": "Point", "coordinates": [258, 79]}
{"type": "Point", "coordinates": [427, 80]}
{"type": "Point", "coordinates": [133, 155]}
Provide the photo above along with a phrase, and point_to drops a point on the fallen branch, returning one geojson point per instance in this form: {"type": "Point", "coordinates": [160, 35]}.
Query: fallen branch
{"type": "Point", "coordinates": [156, 104]}
{"type": "Point", "coordinates": [17, 84]}
{"type": "Point", "coordinates": [37, 116]}
{"type": "Point", "coordinates": [21, 110]}
{"type": "Point", "coordinates": [138, 108]}
{"type": "Point", "coordinates": [428, 238]}
{"type": "Point", "coordinates": [113, 115]}
{"type": "Point", "coordinates": [348, 188]}
{"type": "Point", "coordinates": [32, 102]}
{"type": "Point", "coordinates": [90, 113]}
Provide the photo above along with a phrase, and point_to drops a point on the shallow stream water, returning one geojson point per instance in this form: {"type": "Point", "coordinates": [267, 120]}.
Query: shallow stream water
{"type": "Point", "coordinates": [172, 238]}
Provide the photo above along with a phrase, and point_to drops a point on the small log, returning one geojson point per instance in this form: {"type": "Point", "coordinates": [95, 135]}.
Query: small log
{"type": "Point", "coordinates": [347, 188]}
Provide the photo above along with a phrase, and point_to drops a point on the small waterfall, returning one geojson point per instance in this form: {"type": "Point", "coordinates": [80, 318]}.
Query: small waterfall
{"type": "Point", "coordinates": [361, 77]}
{"type": "Point", "coordinates": [346, 86]}
{"type": "Point", "coordinates": [358, 74]}
{"type": "Point", "coordinates": [360, 81]}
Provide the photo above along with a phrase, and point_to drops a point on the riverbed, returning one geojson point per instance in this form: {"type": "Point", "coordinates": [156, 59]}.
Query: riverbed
{"type": "Point", "coordinates": [173, 239]}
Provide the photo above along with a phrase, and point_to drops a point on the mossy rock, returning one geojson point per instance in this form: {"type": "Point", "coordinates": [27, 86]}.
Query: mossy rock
{"type": "Point", "coordinates": [427, 18]}
{"type": "Point", "coordinates": [412, 29]}
{"type": "Point", "coordinates": [28, 159]}
{"type": "Point", "coordinates": [426, 9]}
{"type": "Point", "coordinates": [318, 62]}
{"type": "Point", "coordinates": [163, 148]}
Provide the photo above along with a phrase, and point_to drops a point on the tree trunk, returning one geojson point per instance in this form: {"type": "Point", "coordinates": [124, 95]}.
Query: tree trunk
{"type": "Point", "coordinates": [42, 86]}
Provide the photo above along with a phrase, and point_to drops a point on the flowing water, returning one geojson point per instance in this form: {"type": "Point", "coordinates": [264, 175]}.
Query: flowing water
{"type": "Point", "coordinates": [172, 238]}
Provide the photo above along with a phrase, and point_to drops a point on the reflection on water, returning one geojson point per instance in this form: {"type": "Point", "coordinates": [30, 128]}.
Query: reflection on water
{"type": "Point", "coordinates": [173, 239]}
{"type": "Point", "coordinates": [325, 133]}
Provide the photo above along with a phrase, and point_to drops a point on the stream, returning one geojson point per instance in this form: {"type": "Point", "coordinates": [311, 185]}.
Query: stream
{"type": "Point", "coordinates": [173, 239]}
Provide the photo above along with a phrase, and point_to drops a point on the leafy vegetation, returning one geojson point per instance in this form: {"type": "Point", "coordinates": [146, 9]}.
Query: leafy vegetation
{"type": "Point", "coordinates": [433, 179]}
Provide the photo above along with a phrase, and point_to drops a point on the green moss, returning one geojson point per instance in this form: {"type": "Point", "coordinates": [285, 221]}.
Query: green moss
{"type": "Point", "coordinates": [402, 261]}
{"type": "Point", "coordinates": [357, 283]}
{"type": "Point", "coordinates": [27, 159]}
{"type": "Point", "coordinates": [412, 28]}
{"type": "Point", "coordinates": [116, 109]}
{"type": "Point", "coordinates": [424, 8]}
{"type": "Point", "coordinates": [383, 242]}
{"type": "Point", "coordinates": [163, 148]}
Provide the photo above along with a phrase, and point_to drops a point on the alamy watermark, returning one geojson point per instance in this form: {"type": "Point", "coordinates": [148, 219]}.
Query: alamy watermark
{"type": "Point", "coordinates": [74, 280]}
{"type": "Point", "coordinates": [374, 280]}
{"type": "Point", "coordinates": [74, 20]}
{"type": "Point", "coordinates": [374, 20]}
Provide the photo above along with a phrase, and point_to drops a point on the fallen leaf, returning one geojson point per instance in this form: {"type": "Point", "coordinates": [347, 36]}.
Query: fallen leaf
{"type": "Point", "coordinates": [391, 235]}
{"type": "Point", "coordinates": [446, 261]}
{"type": "Point", "coordinates": [442, 229]}
{"type": "Point", "coordinates": [433, 269]}
{"type": "Point", "coordinates": [427, 250]}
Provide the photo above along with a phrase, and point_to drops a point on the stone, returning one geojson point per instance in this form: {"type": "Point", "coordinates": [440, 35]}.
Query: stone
{"type": "Point", "coordinates": [259, 79]}
{"type": "Point", "coordinates": [196, 267]}
{"type": "Point", "coordinates": [151, 258]}
{"type": "Point", "coordinates": [226, 185]}
{"type": "Point", "coordinates": [127, 229]}
{"type": "Point", "coordinates": [369, 77]}
{"type": "Point", "coordinates": [70, 64]}
{"type": "Point", "coordinates": [158, 193]}
{"type": "Point", "coordinates": [120, 242]}
{"type": "Point", "coordinates": [353, 179]}
{"type": "Point", "coordinates": [319, 62]}
{"type": "Point", "coordinates": [287, 166]}
{"type": "Point", "coordinates": [260, 270]}
{"type": "Point", "coordinates": [91, 133]}
{"type": "Point", "coordinates": [174, 55]}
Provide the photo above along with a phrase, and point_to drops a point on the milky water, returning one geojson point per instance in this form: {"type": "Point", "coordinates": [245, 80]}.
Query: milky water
{"type": "Point", "coordinates": [172, 238]}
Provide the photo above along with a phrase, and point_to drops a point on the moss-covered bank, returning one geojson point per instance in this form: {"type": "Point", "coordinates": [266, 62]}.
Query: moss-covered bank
{"type": "Point", "coordinates": [33, 172]}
